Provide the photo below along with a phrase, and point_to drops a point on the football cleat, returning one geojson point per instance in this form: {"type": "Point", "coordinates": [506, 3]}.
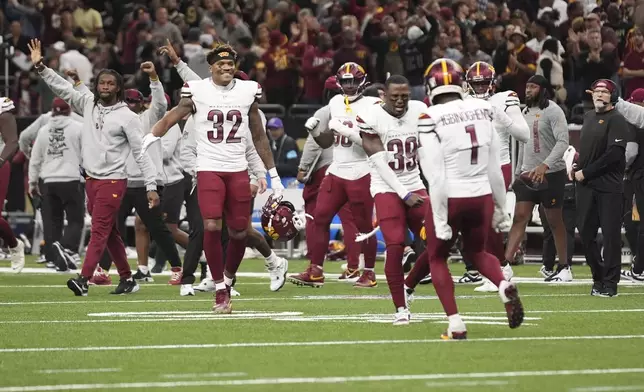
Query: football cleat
{"type": "Point", "coordinates": [632, 276]}
{"type": "Point", "coordinates": [514, 308]}
{"type": "Point", "coordinates": [78, 286]}
{"type": "Point", "coordinates": [470, 277]}
{"type": "Point", "coordinates": [545, 272]}
{"type": "Point", "coordinates": [426, 280]}
{"type": "Point", "coordinates": [454, 335]}
{"type": "Point", "coordinates": [141, 277]}
{"type": "Point", "coordinates": [409, 258]}
{"type": "Point", "coordinates": [312, 277]}
{"type": "Point", "coordinates": [17, 256]}
{"type": "Point", "coordinates": [366, 280]}
{"type": "Point", "coordinates": [402, 317]}
{"type": "Point", "coordinates": [409, 297]}
{"type": "Point", "coordinates": [277, 272]}
{"type": "Point", "coordinates": [222, 303]}
{"type": "Point", "coordinates": [350, 275]}
{"type": "Point", "coordinates": [206, 285]}
{"type": "Point", "coordinates": [176, 275]}
{"type": "Point", "coordinates": [186, 290]}
{"type": "Point", "coordinates": [563, 274]}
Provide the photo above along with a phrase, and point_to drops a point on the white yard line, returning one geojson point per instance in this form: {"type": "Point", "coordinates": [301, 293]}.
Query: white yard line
{"type": "Point", "coordinates": [322, 380]}
{"type": "Point", "coordinates": [609, 388]}
{"type": "Point", "coordinates": [204, 375]}
{"type": "Point", "coordinates": [312, 344]}
{"type": "Point", "coordinates": [99, 370]}
{"type": "Point", "coordinates": [450, 384]}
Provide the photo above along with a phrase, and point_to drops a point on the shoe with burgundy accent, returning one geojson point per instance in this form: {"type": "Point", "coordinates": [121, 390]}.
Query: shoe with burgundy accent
{"type": "Point", "coordinates": [100, 278]}
{"type": "Point", "coordinates": [222, 303]}
{"type": "Point", "coordinates": [312, 277]}
{"type": "Point", "coordinates": [453, 335]}
{"type": "Point", "coordinates": [513, 306]}
{"type": "Point", "coordinates": [350, 275]}
{"type": "Point", "coordinates": [175, 277]}
{"type": "Point", "coordinates": [367, 280]}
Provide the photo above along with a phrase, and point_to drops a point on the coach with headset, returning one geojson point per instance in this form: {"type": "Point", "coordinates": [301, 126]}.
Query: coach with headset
{"type": "Point", "coordinates": [599, 176]}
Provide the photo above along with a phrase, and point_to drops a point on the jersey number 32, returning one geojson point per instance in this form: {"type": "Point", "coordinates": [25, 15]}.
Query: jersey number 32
{"type": "Point", "coordinates": [218, 120]}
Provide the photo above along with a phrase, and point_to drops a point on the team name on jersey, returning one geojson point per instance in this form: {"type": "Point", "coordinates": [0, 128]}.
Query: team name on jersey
{"type": "Point", "coordinates": [465, 116]}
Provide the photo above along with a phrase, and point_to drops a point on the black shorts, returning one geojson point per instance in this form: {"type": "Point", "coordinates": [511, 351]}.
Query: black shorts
{"type": "Point", "coordinates": [172, 201]}
{"type": "Point", "coordinates": [551, 197]}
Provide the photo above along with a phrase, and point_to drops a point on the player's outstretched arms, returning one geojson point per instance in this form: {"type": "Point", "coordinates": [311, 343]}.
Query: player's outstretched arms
{"type": "Point", "coordinates": [184, 108]}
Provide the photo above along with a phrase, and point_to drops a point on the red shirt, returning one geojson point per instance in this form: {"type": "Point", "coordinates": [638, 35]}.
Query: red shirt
{"type": "Point", "coordinates": [315, 71]}
{"type": "Point", "coordinates": [358, 55]}
{"type": "Point", "coordinates": [634, 61]}
{"type": "Point", "coordinates": [278, 68]}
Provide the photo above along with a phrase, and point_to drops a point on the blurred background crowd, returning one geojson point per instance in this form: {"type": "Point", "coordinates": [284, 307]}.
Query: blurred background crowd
{"type": "Point", "coordinates": [292, 46]}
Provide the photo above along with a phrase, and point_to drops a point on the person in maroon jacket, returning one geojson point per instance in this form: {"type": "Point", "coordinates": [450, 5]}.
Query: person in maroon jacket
{"type": "Point", "coordinates": [281, 77]}
{"type": "Point", "coordinates": [352, 51]}
{"type": "Point", "coordinates": [316, 68]}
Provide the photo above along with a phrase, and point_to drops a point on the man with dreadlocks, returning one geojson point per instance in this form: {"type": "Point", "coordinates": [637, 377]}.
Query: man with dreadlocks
{"type": "Point", "coordinates": [543, 177]}
{"type": "Point", "coordinates": [111, 132]}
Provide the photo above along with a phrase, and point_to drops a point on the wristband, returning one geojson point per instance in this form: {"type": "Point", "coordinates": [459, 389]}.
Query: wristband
{"type": "Point", "coordinates": [78, 83]}
{"type": "Point", "coordinates": [407, 196]}
{"type": "Point", "coordinates": [155, 79]}
{"type": "Point", "coordinates": [273, 173]}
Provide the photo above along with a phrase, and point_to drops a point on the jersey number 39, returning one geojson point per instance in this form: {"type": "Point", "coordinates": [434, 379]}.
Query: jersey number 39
{"type": "Point", "coordinates": [218, 120]}
{"type": "Point", "coordinates": [405, 154]}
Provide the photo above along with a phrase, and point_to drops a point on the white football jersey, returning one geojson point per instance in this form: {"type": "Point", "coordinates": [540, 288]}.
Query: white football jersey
{"type": "Point", "coordinates": [508, 102]}
{"type": "Point", "coordinates": [221, 122]}
{"type": "Point", "coordinates": [6, 105]}
{"type": "Point", "coordinates": [349, 160]}
{"type": "Point", "coordinates": [399, 136]}
{"type": "Point", "coordinates": [464, 129]}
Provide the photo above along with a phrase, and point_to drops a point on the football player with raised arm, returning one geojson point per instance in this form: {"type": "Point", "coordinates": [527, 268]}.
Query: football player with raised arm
{"type": "Point", "coordinates": [460, 159]}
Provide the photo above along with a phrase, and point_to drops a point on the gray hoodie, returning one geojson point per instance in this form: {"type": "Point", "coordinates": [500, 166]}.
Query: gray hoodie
{"type": "Point", "coordinates": [110, 133]}
{"type": "Point", "coordinates": [29, 134]}
{"type": "Point", "coordinates": [315, 157]}
{"type": "Point", "coordinates": [56, 154]}
{"type": "Point", "coordinates": [172, 168]}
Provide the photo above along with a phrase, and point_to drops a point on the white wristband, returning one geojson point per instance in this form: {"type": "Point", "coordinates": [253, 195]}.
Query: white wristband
{"type": "Point", "coordinates": [273, 172]}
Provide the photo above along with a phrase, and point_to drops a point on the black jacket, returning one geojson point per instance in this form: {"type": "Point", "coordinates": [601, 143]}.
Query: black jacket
{"type": "Point", "coordinates": [286, 155]}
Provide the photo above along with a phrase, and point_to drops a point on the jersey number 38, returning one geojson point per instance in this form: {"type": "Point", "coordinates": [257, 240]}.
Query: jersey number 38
{"type": "Point", "coordinates": [218, 119]}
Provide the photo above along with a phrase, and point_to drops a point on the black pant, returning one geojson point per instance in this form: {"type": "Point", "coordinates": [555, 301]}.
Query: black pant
{"type": "Point", "coordinates": [60, 200]}
{"type": "Point", "coordinates": [152, 218]}
{"type": "Point", "coordinates": [549, 249]}
{"type": "Point", "coordinates": [637, 186]}
{"type": "Point", "coordinates": [595, 210]}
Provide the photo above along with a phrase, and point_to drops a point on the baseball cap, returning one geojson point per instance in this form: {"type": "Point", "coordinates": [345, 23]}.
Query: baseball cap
{"type": "Point", "coordinates": [275, 122]}
{"type": "Point", "coordinates": [60, 107]}
{"type": "Point", "coordinates": [637, 96]}
{"type": "Point", "coordinates": [133, 96]}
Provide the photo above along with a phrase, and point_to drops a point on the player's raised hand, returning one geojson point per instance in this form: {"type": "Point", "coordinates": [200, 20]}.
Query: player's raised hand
{"type": "Point", "coordinates": [73, 74]}
{"type": "Point", "coordinates": [148, 68]}
{"type": "Point", "coordinates": [169, 50]}
{"type": "Point", "coordinates": [414, 200]}
{"type": "Point", "coordinates": [36, 52]}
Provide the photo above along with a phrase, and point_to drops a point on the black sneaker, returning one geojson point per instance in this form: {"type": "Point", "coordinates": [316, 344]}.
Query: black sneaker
{"type": "Point", "coordinates": [597, 288]}
{"type": "Point", "coordinates": [126, 286]}
{"type": "Point", "coordinates": [470, 277]}
{"type": "Point", "coordinates": [78, 286]}
{"type": "Point", "coordinates": [63, 258]}
{"type": "Point", "coordinates": [608, 292]}
{"type": "Point", "coordinates": [73, 258]}
{"type": "Point", "coordinates": [632, 276]}
{"type": "Point", "coordinates": [409, 258]}
{"type": "Point", "coordinates": [141, 277]}
{"type": "Point", "coordinates": [426, 280]}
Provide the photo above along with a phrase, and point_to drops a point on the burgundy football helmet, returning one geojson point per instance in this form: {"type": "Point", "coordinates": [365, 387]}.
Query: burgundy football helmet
{"type": "Point", "coordinates": [352, 79]}
{"type": "Point", "coordinates": [279, 220]}
{"type": "Point", "coordinates": [444, 76]}
{"type": "Point", "coordinates": [480, 80]}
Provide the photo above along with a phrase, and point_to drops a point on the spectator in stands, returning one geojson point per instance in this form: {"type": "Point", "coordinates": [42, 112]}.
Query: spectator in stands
{"type": "Point", "coordinates": [620, 25]}
{"type": "Point", "coordinates": [25, 96]}
{"type": "Point", "coordinates": [130, 38]}
{"type": "Point", "coordinates": [443, 50]}
{"type": "Point", "coordinates": [574, 10]}
{"type": "Point", "coordinates": [90, 21]}
{"type": "Point", "coordinates": [164, 29]}
{"type": "Point", "coordinates": [385, 47]}
{"type": "Point", "coordinates": [484, 29]}
{"type": "Point", "coordinates": [286, 154]}
{"type": "Point", "coordinates": [276, 70]}
{"type": "Point", "coordinates": [317, 66]}
{"type": "Point", "coordinates": [72, 58]}
{"type": "Point", "coordinates": [351, 51]}
{"type": "Point", "coordinates": [235, 29]}
{"type": "Point", "coordinates": [633, 70]}
{"type": "Point", "coordinates": [521, 64]}
{"type": "Point", "coordinates": [193, 47]}
{"type": "Point", "coordinates": [549, 65]}
{"type": "Point", "coordinates": [46, 95]}
{"type": "Point", "coordinates": [542, 29]}
{"type": "Point", "coordinates": [246, 58]}
{"type": "Point", "coordinates": [473, 53]}
{"type": "Point", "coordinates": [560, 6]}
{"type": "Point", "coordinates": [17, 39]}
{"type": "Point", "coordinates": [594, 64]}
{"type": "Point", "coordinates": [415, 51]}
{"type": "Point", "coordinates": [262, 40]}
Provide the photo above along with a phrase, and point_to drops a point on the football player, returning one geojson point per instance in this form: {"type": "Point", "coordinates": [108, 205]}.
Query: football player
{"type": "Point", "coordinates": [9, 144]}
{"type": "Point", "coordinates": [480, 79]}
{"type": "Point", "coordinates": [389, 133]}
{"type": "Point", "coordinates": [226, 115]}
{"type": "Point", "coordinates": [347, 179]}
{"type": "Point", "coordinates": [460, 159]}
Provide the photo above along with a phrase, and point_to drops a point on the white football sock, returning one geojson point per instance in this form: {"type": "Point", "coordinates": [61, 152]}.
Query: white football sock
{"type": "Point", "coordinates": [228, 281]}
{"type": "Point", "coordinates": [220, 286]}
{"type": "Point", "coordinates": [271, 259]}
{"type": "Point", "coordinates": [144, 269]}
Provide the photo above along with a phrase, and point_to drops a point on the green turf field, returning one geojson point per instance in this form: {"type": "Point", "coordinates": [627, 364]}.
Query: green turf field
{"type": "Point", "coordinates": [329, 339]}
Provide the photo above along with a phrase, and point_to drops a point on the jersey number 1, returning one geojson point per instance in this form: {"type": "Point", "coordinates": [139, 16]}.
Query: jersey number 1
{"type": "Point", "coordinates": [475, 144]}
{"type": "Point", "coordinates": [217, 134]}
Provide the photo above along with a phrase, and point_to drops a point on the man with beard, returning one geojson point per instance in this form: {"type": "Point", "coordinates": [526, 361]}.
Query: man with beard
{"type": "Point", "coordinates": [112, 132]}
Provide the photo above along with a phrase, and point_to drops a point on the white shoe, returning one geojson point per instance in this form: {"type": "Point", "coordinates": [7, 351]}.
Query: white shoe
{"type": "Point", "coordinates": [562, 275]}
{"type": "Point", "coordinates": [234, 293]}
{"type": "Point", "coordinates": [486, 287]}
{"type": "Point", "coordinates": [277, 271]}
{"type": "Point", "coordinates": [207, 286]}
{"type": "Point", "coordinates": [17, 256]}
{"type": "Point", "coordinates": [507, 272]}
{"type": "Point", "coordinates": [545, 272]}
{"type": "Point", "coordinates": [409, 297]}
{"type": "Point", "coordinates": [130, 253]}
{"type": "Point", "coordinates": [361, 264]}
{"type": "Point", "coordinates": [402, 317]}
{"type": "Point", "coordinates": [186, 290]}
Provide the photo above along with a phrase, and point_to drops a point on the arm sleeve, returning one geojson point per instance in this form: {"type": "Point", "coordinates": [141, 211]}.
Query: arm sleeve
{"type": "Point", "coordinates": [634, 114]}
{"type": "Point", "coordinates": [133, 133]}
{"type": "Point", "coordinates": [632, 149]}
{"type": "Point", "coordinates": [66, 91]}
{"type": "Point", "coordinates": [433, 167]}
{"type": "Point", "coordinates": [494, 173]}
{"type": "Point", "coordinates": [28, 135]}
{"type": "Point", "coordinates": [169, 142]}
{"type": "Point", "coordinates": [37, 158]}
{"type": "Point", "coordinates": [158, 106]}
{"type": "Point", "coordinates": [559, 127]}
{"type": "Point", "coordinates": [82, 88]}
{"type": "Point", "coordinates": [185, 72]}
{"type": "Point", "coordinates": [310, 153]}
{"type": "Point", "coordinates": [518, 127]}
{"type": "Point", "coordinates": [255, 163]}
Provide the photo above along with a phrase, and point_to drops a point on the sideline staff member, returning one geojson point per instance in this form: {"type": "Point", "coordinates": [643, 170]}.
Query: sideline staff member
{"type": "Point", "coordinates": [600, 187]}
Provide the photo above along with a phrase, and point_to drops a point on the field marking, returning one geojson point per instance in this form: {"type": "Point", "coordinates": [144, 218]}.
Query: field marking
{"type": "Point", "coordinates": [99, 370]}
{"type": "Point", "coordinates": [299, 298]}
{"type": "Point", "coordinates": [311, 344]}
{"type": "Point", "coordinates": [204, 375]}
{"type": "Point", "coordinates": [323, 380]}
{"type": "Point", "coordinates": [609, 388]}
{"type": "Point", "coordinates": [466, 384]}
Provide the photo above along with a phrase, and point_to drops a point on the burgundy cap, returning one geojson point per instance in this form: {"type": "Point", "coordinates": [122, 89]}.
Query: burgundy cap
{"type": "Point", "coordinates": [133, 96]}
{"type": "Point", "coordinates": [637, 96]}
